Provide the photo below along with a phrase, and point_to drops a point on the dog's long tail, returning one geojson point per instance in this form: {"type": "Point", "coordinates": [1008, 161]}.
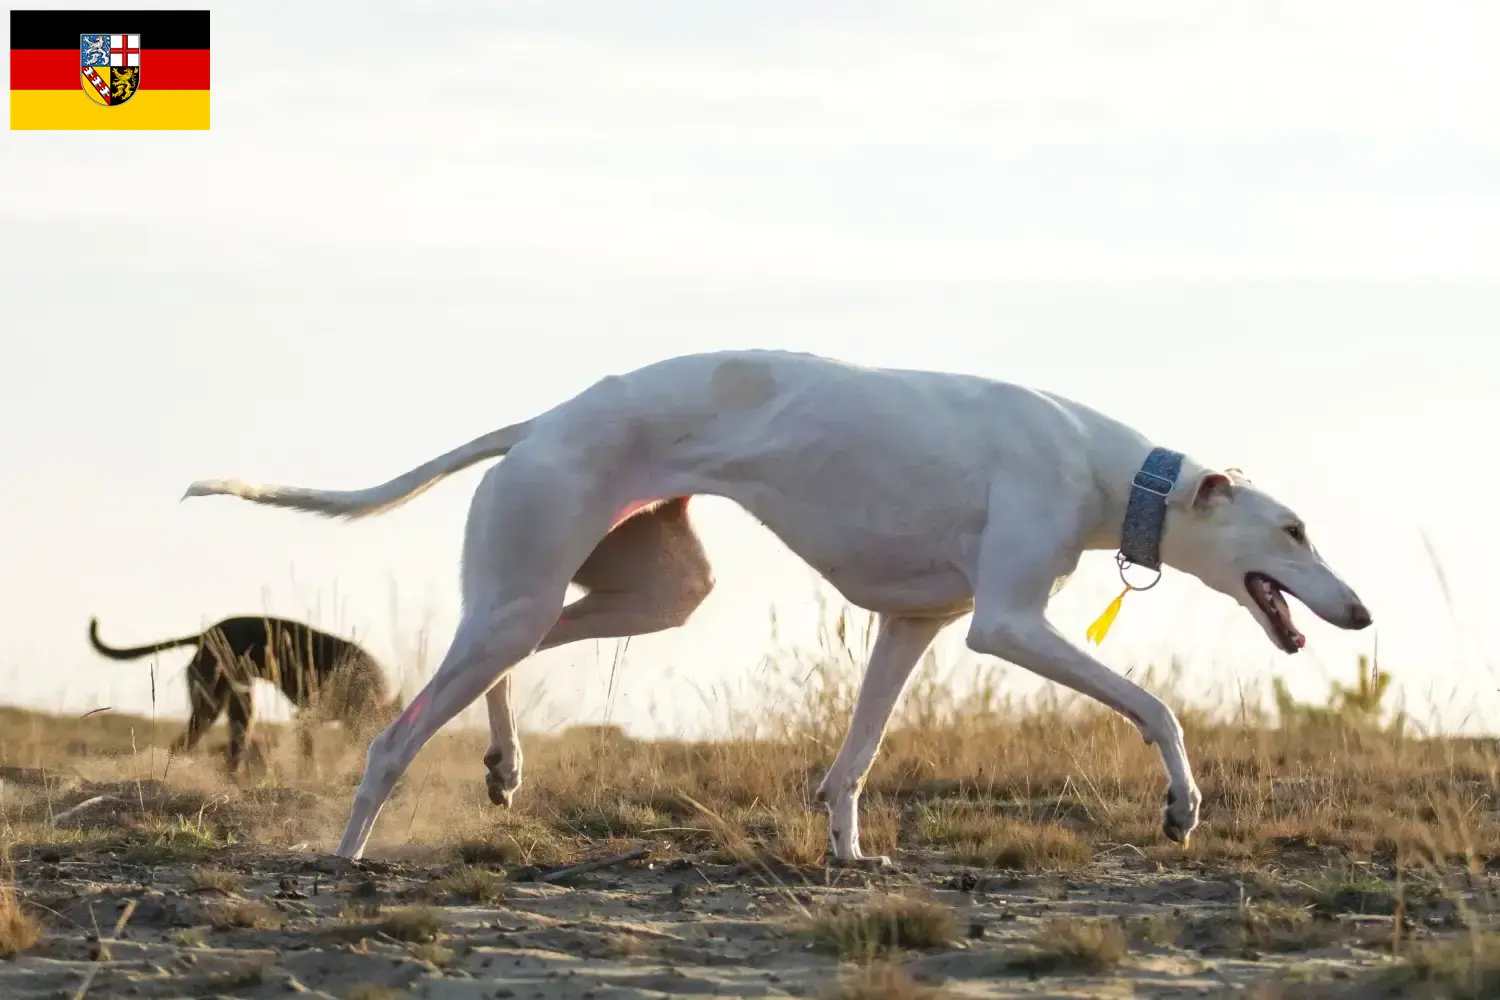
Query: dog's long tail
{"type": "Point", "coordinates": [376, 499]}
{"type": "Point", "coordinates": [136, 652]}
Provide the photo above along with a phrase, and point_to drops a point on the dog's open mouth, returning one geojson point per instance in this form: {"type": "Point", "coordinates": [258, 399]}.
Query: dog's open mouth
{"type": "Point", "coordinates": [1267, 594]}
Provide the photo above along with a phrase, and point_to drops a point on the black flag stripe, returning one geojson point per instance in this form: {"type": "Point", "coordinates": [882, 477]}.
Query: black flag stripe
{"type": "Point", "coordinates": [59, 29]}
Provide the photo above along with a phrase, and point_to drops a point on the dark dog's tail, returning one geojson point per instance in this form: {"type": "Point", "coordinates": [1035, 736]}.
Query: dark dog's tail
{"type": "Point", "coordinates": [136, 652]}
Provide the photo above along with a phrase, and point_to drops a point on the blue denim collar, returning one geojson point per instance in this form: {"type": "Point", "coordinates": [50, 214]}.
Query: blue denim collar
{"type": "Point", "coordinates": [1146, 512]}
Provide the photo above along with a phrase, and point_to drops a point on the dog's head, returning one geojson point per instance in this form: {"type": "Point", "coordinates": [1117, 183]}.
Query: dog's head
{"type": "Point", "coordinates": [1240, 541]}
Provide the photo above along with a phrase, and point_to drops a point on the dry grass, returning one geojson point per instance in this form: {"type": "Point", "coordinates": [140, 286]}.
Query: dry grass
{"type": "Point", "coordinates": [19, 930]}
{"type": "Point", "coordinates": [433, 953]}
{"type": "Point", "coordinates": [1346, 891]}
{"type": "Point", "coordinates": [1339, 807]}
{"type": "Point", "coordinates": [981, 835]}
{"type": "Point", "coordinates": [416, 924]}
{"type": "Point", "coordinates": [631, 946]}
{"type": "Point", "coordinates": [881, 925]}
{"type": "Point", "coordinates": [976, 779]}
{"type": "Point", "coordinates": [473, 885]}
{"type": "Point", "coordinates": [1464, 969]}
{"type": "Point", "coordinates": [1159, 930]}
{"type": "Point", "coordinates": [1074, 945]}
{"type": "Point", "coordinates": [1273, 926]}
{"type": "Point", "coordinates": [979, 783]}
{"type": "Point", "coordinates": [213, 880]}
{"type": "Point", "coordinates": [247, 914]}
{"type": "Point", "coordinates": [189, 937]}
{"type": "Point", "coordinates": [613, 818]}
{"type": "Point", "coordinates": [514, 838]}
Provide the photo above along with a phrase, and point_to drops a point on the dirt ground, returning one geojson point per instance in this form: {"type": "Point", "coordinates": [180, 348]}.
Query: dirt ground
{"type": "Point", "coordinates": [167, 909]}
{"type": "Point", "coordinates": [297, 922]}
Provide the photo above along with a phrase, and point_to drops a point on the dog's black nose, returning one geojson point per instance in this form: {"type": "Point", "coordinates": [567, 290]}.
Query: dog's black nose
{"type": "Point", "coordinates": [1359, 616]}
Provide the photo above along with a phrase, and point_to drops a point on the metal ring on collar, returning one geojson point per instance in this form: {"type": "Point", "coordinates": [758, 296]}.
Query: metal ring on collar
{"type": "Point", "coordinates": [1122, 563]}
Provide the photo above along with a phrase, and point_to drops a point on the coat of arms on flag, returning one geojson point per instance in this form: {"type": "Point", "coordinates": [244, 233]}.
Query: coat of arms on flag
{"type": "Point", "coordinates": [111, 66]}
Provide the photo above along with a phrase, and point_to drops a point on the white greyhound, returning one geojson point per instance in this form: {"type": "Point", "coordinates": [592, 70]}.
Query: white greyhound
{"type": "Point", "coordinates": [921, 496]}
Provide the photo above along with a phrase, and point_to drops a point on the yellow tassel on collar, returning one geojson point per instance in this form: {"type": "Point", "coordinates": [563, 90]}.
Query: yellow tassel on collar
{"type": "Point", "coordinates": [1100, 628]}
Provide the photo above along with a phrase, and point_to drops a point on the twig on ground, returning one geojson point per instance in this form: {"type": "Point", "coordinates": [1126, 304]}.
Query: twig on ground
{"type": "Point", "coordinates": [93, 801]}
{"type": "Point", "coordinates": [88, 979]}
{"type": "Point", "coordinates": [593, 866]}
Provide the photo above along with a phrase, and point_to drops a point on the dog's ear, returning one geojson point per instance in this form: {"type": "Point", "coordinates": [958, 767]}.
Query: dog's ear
{"type": "Point", "coordinates": [1211, 487]}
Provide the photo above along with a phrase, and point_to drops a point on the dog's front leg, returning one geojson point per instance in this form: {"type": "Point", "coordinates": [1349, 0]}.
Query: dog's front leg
{"type": "Point", "coordinates": [899, 644]}
{"type": "Point", "coordinates": [1034, 644]}
{"type": "Point", "coordinates": [1030, 542]}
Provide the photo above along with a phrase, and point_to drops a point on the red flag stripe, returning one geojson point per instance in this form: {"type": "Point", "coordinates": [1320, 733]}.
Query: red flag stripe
{"type": "Point", "coordinates": [59, 69]}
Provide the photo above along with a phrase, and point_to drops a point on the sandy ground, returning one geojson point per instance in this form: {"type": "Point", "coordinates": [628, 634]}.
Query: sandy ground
{"type": "Point", "coordinates": [190, 886]}
{"type": "Point", "coordinates": [638, 929]}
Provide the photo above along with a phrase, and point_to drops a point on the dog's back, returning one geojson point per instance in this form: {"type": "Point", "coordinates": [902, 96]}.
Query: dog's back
{"type": "Point", "coordinates": [299, 659]}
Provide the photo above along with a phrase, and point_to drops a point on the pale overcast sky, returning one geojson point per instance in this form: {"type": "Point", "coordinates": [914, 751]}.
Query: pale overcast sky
{"type": "Point", "coordinates": [1268, 234]}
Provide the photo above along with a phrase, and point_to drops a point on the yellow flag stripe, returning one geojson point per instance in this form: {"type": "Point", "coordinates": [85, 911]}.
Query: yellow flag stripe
{"type": "Point", "coordinates": [72, 110]}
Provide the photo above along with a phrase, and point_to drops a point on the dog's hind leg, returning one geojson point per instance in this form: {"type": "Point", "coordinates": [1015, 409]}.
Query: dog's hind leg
{"type": "Point", "coordinates": [899, 644]}
{"type": "Point", "coordinates": [647, 575]}
{"type": "Point", "coordinates": [241, 721]}
{"type": "Point", "coordinates": [532, 522]}
{"type": "Point", "coordinates": [502, 759]}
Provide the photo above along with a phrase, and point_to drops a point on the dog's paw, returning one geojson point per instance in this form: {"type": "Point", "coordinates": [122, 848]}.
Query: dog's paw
{"type": "Point", "coordinates": [500, 779]}
{"type": "Point", "coordinates": [1180, 816]}
{"type": "Point", "coordinates": [502, 790]}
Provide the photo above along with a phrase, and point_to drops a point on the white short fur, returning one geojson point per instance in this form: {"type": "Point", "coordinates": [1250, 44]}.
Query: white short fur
{"type": "Point", "coordinates": [920, 496]}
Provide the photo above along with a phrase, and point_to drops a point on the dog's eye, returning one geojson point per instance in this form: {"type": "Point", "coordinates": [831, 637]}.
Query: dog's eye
{"type": "Point", "coordinates": [1297, 533]}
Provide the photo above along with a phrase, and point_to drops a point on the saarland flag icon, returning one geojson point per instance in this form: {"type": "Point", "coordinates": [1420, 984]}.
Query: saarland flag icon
{"type": "Point", "coordinates": [109, 69]}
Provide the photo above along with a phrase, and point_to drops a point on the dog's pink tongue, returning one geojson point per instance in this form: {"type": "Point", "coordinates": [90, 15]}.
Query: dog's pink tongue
{"type": "Point", "coordinates": [1301, 641]}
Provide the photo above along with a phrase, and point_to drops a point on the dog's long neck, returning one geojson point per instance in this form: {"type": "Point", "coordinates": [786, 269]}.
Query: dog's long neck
{"type": "Point", "coordinates": [1116, 455]}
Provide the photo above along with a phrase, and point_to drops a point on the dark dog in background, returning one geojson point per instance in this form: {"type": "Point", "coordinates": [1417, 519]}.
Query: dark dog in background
{"type": "Point", "coordinates": [326, 677]}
